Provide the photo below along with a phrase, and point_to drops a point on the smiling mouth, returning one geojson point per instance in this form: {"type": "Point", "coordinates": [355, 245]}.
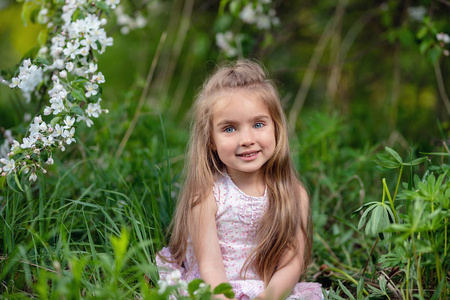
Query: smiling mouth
{"type": "Point", "coordinates": [248, 154]}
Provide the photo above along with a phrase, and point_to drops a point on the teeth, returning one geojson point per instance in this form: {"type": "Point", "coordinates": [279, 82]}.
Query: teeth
{"type": "Point", "coordinates": [248, 155]}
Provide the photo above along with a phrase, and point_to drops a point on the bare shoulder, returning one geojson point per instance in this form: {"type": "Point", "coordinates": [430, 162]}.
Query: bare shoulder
{"type": "Point", "coordinates": [303, 198]}
{"type": "Point", "coordinates": [205, 204]}
{"type": "Point", "coordinates": [302, 193]}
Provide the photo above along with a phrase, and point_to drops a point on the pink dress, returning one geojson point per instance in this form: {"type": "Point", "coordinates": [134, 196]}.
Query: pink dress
{"type": "Point", "coordinates": [237, 218]}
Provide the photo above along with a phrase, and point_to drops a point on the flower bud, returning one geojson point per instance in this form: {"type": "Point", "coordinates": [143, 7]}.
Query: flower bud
{"type": "Point", "coordinates": [27, 157]}
{"type": "Point", "coordinates": [38, 165]}
{"type": "Point", "coordinates": [44, 171]}
{"type": "Point", "coordinates": [63, 74]}
{"type": "Point", "coordinates": [3, 174]}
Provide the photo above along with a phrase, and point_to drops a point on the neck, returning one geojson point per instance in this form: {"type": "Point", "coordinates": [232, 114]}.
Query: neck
{"type": "Point", "coordinates": [251, 184]}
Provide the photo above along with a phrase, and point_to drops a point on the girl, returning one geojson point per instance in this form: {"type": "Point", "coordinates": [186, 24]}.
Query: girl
{"type": "Point", "coordinates": [243, 216]}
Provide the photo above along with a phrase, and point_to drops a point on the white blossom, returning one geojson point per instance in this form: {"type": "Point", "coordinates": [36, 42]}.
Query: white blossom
{"type": "Point", "coordinates": [15, 146]}
{"type": "Point", "coordinates": [33, 177]}
{"type": "Point", "coordinates": [112, 3]}
{"type": "Point", "coordinates": [93, 110]}
{"type": "Point", "coordinates": [72, 49]}
{"type": "Point", "coordinates": [9, 165]}
{"type": "Point", "coordinates": [68, 134]}
{"type": "Point", "coordinates": [68, 121]}
{"type": "Point", "coordinates": [162, 286]}
{"type": "Point", "coordinates": [14, 82]}
{"type": "Point", "coordinates": [99, 78]}
{"type": "Point", "coordinates": [27, 142]}
{"type": "Point", "coordinates": [248, 14]}
{"type": "Point", "coordinates": [417, 13]}
{"type": "Point", "coordinates": [69, 66]}
{"type": "Point", "coordinates": [58, 130]}
{"type": "Point", "coordinates": [92, 68]}
{"type": "Point", "coordinates": [175, 275]}
{"type": "Point", "coordinates": [443, 37]}
{"type": "Point", "coordinates": [91, 89]}
{"type": "Point", "coordinates": [224, 41]}
{"type": "Point", "coordinates": [88, 121]}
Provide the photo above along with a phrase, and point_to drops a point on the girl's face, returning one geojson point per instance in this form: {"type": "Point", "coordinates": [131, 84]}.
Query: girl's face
{"type": "Point", "coordinates": [243, 133]}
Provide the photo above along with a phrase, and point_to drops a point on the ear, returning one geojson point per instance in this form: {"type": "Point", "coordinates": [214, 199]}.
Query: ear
{"type": "Point", "coordinates": [212, 145]}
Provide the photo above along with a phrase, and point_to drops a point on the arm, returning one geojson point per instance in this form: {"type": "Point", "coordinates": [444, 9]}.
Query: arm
{"type": "Point", "coordinates": [203, 232]}
{"type": "Point", "coordinates": [284, 280]}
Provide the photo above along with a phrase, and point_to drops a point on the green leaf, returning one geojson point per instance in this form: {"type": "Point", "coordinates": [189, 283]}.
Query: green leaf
{"type": "Point", "coordinates": [42, 37]}
{"type": "Point", "coordinates": [387, 161]}
{"type": "Point", "coordinates": [80, 79]}
{"type": "Point", "coordinates": [33, 15]}
{"type": "Point", "coordinates": [77, 110]}
{"type": "Point", "coordinates": [27, 8]}
{"type": "Point", "coordinates": [416, 161]}
{"type": "Point", "coordinates": [120, 245]}
{"type": "Point", "coordinates": [2, 182]}
{"type": "Point", "coordinates": [103, 6]}
{"type": "Point", "coordinates": [362, 221]}
{"type": "Point", "coordinates": [437, 292]}
{"type": "Point", "coordinates": [422, 32]}
{"type": "Point", "coordinates": [194, 285]}
{"type": "Point", "coordinates": [360, 288]}
{"type": "Point", "coordinates": [434, 54]}
{"type": "Point", "coordinates": [13, 182]}
{"type": "Point", "coordinates": [223, 3]}
{"type": "Point", "coordinates": [78, 95]}
{"type": "Point", "coordinates": [222, 288]}
{"type": "Point", "coordinates": [394, 154]}
{"type": "Point", "coordinates": [42, 61]}
{"type": "Point", "coordinates": [436, 153]}
{"type": "Point", "coordinates": [235, 7]}
{"type": "Point", "coordinates": [381, 169]}
{"type": "Point", "coordinates": [424, 46]}
{"type": "Point", "coordinates": [54, 121]}
{"type": "Point", "coordinates": [346, 291]}
{"type": "Point", "coordinates": [94, 98]}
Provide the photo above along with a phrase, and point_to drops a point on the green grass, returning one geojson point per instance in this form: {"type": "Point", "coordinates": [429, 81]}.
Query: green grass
{"type": "Point", "coordinates": [91, 227]}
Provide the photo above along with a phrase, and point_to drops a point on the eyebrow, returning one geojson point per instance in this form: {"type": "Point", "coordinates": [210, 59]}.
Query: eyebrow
{"type": "Point", "coordinates": [231, 122]}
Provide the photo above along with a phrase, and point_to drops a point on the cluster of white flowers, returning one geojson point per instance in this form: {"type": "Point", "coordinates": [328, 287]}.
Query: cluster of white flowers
{"type": "Point", "coordinates": [41, 136]}
{"type": "Point", "coordinates": [259, 15]}
{"type": "Point", "coordinates": [127, 22]}
{"type": "Point", "coordinates": [228, 43]}
{"type": "Point", "coordinates": [444, 38]}
{"type": "Point", "coordinates": [417, 13]}
{"type": "Point", "coordinates": [68, 67]}
{"type": "Point", "coordinates": [174, 279]}
{"type": "Point", "coordinates": [28, 79]}
{"type": "Point", "coordinates": [180, 286]}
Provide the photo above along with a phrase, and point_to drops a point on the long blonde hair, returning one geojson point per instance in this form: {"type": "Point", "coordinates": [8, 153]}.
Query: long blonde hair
{"type": "Point", "coordinates": [282, 222]}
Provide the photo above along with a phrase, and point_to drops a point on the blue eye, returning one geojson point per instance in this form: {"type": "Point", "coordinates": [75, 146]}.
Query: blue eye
{"type": "Point", "coordinates": [258, 125]}
{"type": "Point", "coordinates": [229, 129]}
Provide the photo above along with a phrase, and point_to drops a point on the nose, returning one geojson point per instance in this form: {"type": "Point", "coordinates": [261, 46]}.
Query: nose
{"type": "Point", "coordinates": [247, 137]}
